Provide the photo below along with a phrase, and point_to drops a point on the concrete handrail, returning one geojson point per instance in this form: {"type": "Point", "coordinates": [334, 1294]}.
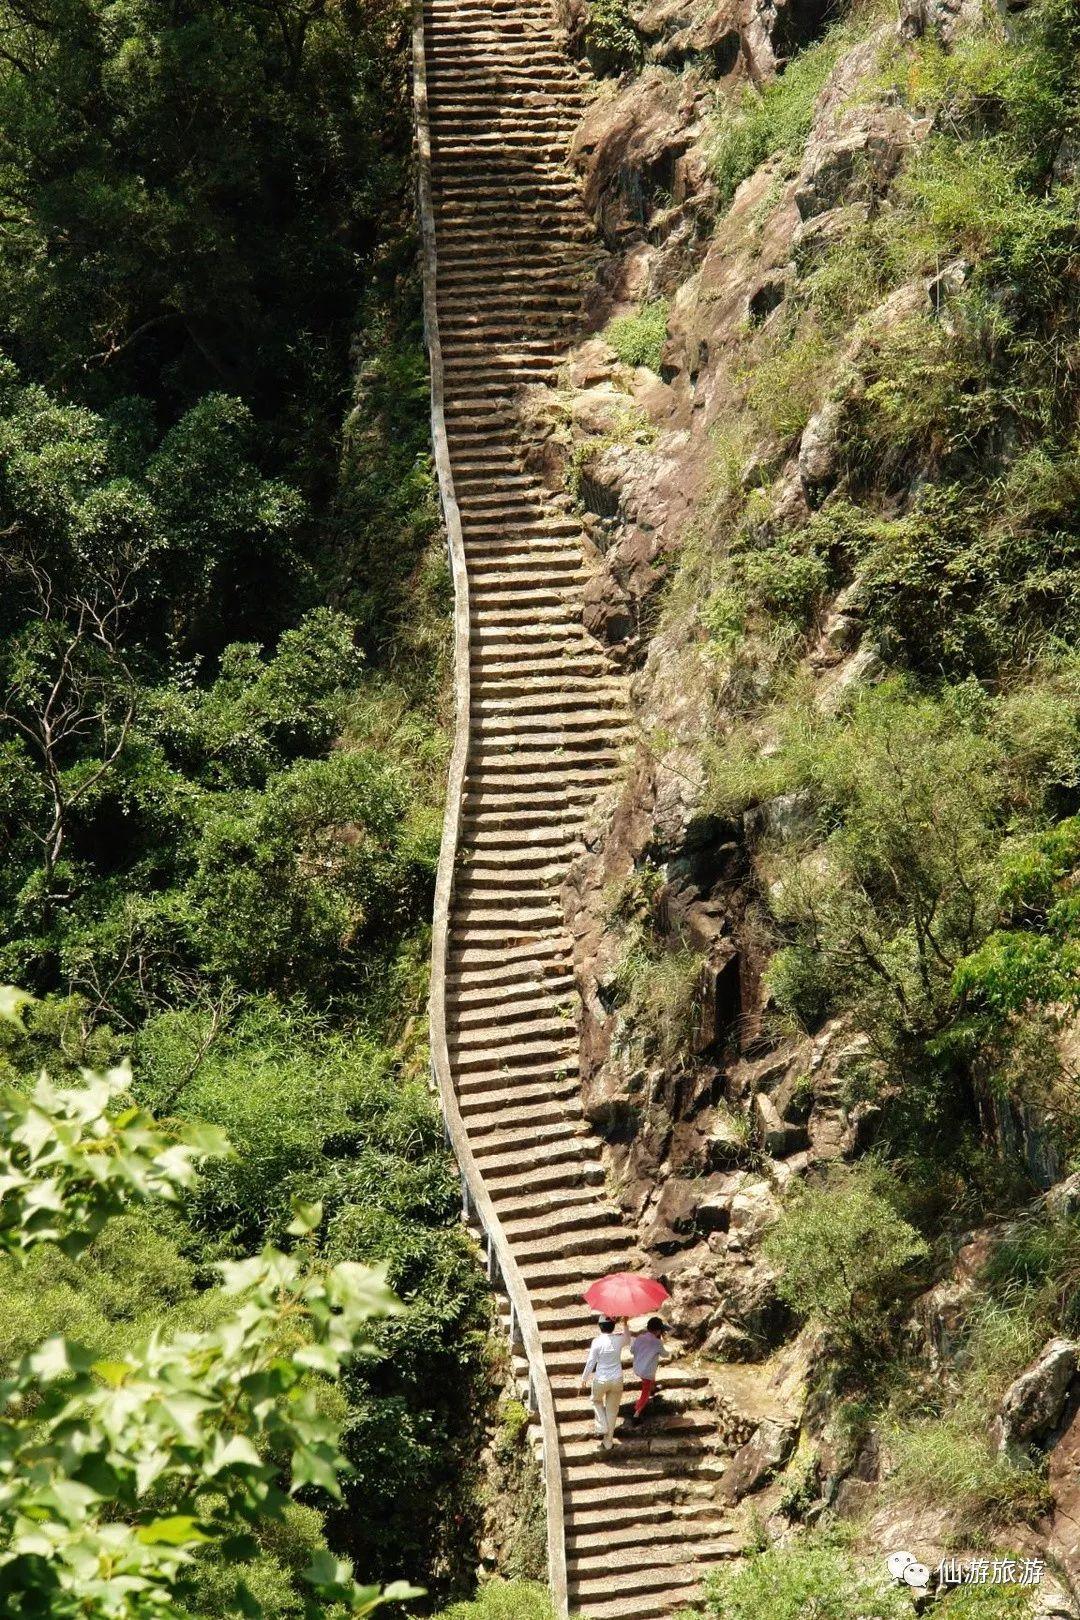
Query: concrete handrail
{"type": "Point", "coordinates": [498, 1248]}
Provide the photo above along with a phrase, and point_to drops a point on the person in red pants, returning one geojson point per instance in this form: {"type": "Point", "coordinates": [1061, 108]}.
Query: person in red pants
{"type": "Point", "coordinates": [648, 1349]}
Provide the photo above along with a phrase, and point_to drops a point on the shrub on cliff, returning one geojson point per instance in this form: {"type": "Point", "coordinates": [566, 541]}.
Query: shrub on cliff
{"type": "Point", "coordinates": [842, 1252]}
{"type": "Point", "coordinates": [503, 1600]}
{"type": "Point", "coordinates": [638, 339]}
{"type": "Point", "coordinates": [818, 1574]}
{"type": "Point", "coordinates": [612, 43]}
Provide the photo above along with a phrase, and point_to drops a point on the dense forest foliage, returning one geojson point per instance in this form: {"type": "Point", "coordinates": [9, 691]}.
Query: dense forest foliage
{"type": "Point", "coordinates": [220, 676]}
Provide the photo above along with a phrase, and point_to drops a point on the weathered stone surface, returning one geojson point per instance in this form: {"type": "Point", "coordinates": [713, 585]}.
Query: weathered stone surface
{"type": "Point", "coordinates": [1052, 1601]}
{"type": "Point", "coordinates": [751, 1318]}
{"type": "Point", "coordinates": [737, 38]}
{"type": "Point", "coordinates": [842, 629]}
{"type": "Point", "coordinates": [593, 364]}
{"type": "Point", "coordinates": [777, 1136]}
{"type": "Point", "coordinates": [852, 162]}
{"type": "Point", "coordinates": [726, 1145]}
{"type": "Point", "coordinates": [938, 1320]}
{"type": "Point", "coordinates": [1064, 1481]}
{"type": "Point", "coordinates": [677, 1132]}
{"type": "Point", "coordinates": [1064, 1199]}
{"type": "Point", "coordinates": [863, 668]}
{"type": "Point", "coordinates": [759, 1459]}
{"type": "Point", "coordinates": [672, 1219]}
{"type": "Point", "coordinates": [1067, 161]}
{"type": "Point", "coordinates": [794, 1097]}
{"type": "Point", "coordinates": [787, 817]}
{"type": "Point", "coordinates": [753, 1207]}
{"type": "Point", "coordinates": [943, 18]}
{"type": "Point", "coordinates": [694, 1299]}
{"type": "Point", "coordinates": [819, 448]}
{"type": "Point", "coordinates": [633, 153]}
{"type": "Point", "coordinates": [720, 997]}
{"type": "Point", "coordinates": [813, 238]}
{"type": "Point", "coordinates": [1035, 1402]}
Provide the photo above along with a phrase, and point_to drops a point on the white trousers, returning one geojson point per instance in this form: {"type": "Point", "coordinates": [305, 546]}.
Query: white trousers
{"type": "Point", "coordinates": [605, 1400]}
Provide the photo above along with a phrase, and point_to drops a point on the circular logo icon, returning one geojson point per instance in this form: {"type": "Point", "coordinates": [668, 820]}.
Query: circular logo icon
{"type": "Point", "coordinates": [916, 1575]}
{"type": "Point", "coordinates": [899, 1563]}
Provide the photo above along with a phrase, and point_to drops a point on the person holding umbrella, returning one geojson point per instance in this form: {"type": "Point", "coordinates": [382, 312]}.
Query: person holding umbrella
{"type": "Point", "coordinates": [604, 1369]}
{"type": "Point", "coordinates": [618, 1296]}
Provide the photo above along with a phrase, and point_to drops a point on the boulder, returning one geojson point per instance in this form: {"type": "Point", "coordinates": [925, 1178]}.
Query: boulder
{"type": "Point", "coordinates": [944, 18]}
{"type": "Point", "coordinates": [1034, 1403]}
{"type": "Point", "coordinates": [592, 364]}
{"type": "Point", "coordinates": [727, 1144]}
{"type": "Point", "coordinates": [735, 38]}
{"type": "Point", "coordinates": [863, 668]}
{"type": "Point", "coordinates": [938, 1322]}
{"type": "Point", "coordinates": [778, 1136]}
{"type": "Point", "coordinates": [674, 1217]}
{"type": "Point", "coordinates": [694, 1300]}
{"type": "Point", "coordinates": [793, 1098]}
{"type": "Point", "coordinates": [1064, 1199]}
{"type": "Point", "coordinates": [848, 165]}
{"type": "Point", "coordinates": [1067, 161]}
{"type": "Point", "coordinates": [755, 1463]}
{"type": "Point", "coordinates": [813, 238]}
{"type": "Point", "coordinates": [819, 448]}
{"type": "Point", "coordinates": [631, 151]}
{"type": "Point", "coordinates": [787, 817]}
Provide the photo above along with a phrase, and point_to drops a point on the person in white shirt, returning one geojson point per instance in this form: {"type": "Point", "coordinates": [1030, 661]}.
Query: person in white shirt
{"type": "Point", "coordinates": [648, 1349]}
{"type": "Point", "coordinates": [604, 1368]}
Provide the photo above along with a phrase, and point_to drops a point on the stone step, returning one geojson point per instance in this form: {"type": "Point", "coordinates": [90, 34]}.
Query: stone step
{"type": "Point", "coordinates": [502, 1077]}
{"type": "Point", "coordinates": [511, 968]}
{"type": "Point", "coordinates": [489, 1119]}
{"type": "Point", "coordinates": [585, 1528]}
{"type": "Point", "coordinates": [649, 1553]}
{"type": "Point", "coordinates": [592, 1496]}
{"type": "Point", "coordinates": [565, 1150]}
{"type": "Point", "coordinates": [554, 1203]}
{"type": "Point", "coordinates": [571, 1173]}
{"type": "Point", "coordinates": [531, 997]}
{"type": "Point", "coordinates": [573, 1217]}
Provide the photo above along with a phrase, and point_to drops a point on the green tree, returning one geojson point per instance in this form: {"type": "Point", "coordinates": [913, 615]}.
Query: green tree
{"type": "Point", "coordinates": [1034, 958]}
{"type": "Point", "coordinates": [115, 1472]}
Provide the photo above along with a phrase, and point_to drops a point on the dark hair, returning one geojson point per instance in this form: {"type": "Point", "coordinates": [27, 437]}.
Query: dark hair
{"type": "Point", "coordinates": [606, 1324]}
{"type": "Point", "coordinates": [655, 1325]}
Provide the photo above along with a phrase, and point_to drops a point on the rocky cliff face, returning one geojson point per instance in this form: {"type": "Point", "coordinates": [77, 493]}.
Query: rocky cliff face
{"type": "Point", "coordinates": [714, 1102]}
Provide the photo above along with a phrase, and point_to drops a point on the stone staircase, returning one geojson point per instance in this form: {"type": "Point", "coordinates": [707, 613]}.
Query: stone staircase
{"type": "Point", "coordinates": [515, 251]}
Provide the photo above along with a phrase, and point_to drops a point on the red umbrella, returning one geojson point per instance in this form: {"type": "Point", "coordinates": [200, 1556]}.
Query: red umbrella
{"type": "Point", "coordinates": [623, 1293]}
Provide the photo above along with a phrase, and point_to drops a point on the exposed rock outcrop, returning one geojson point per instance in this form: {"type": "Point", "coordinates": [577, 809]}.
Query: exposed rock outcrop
{"type": "Point", "coordinates": [705, 1133]}
{"type": "Point", "coordinates": [1033, 1409]}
